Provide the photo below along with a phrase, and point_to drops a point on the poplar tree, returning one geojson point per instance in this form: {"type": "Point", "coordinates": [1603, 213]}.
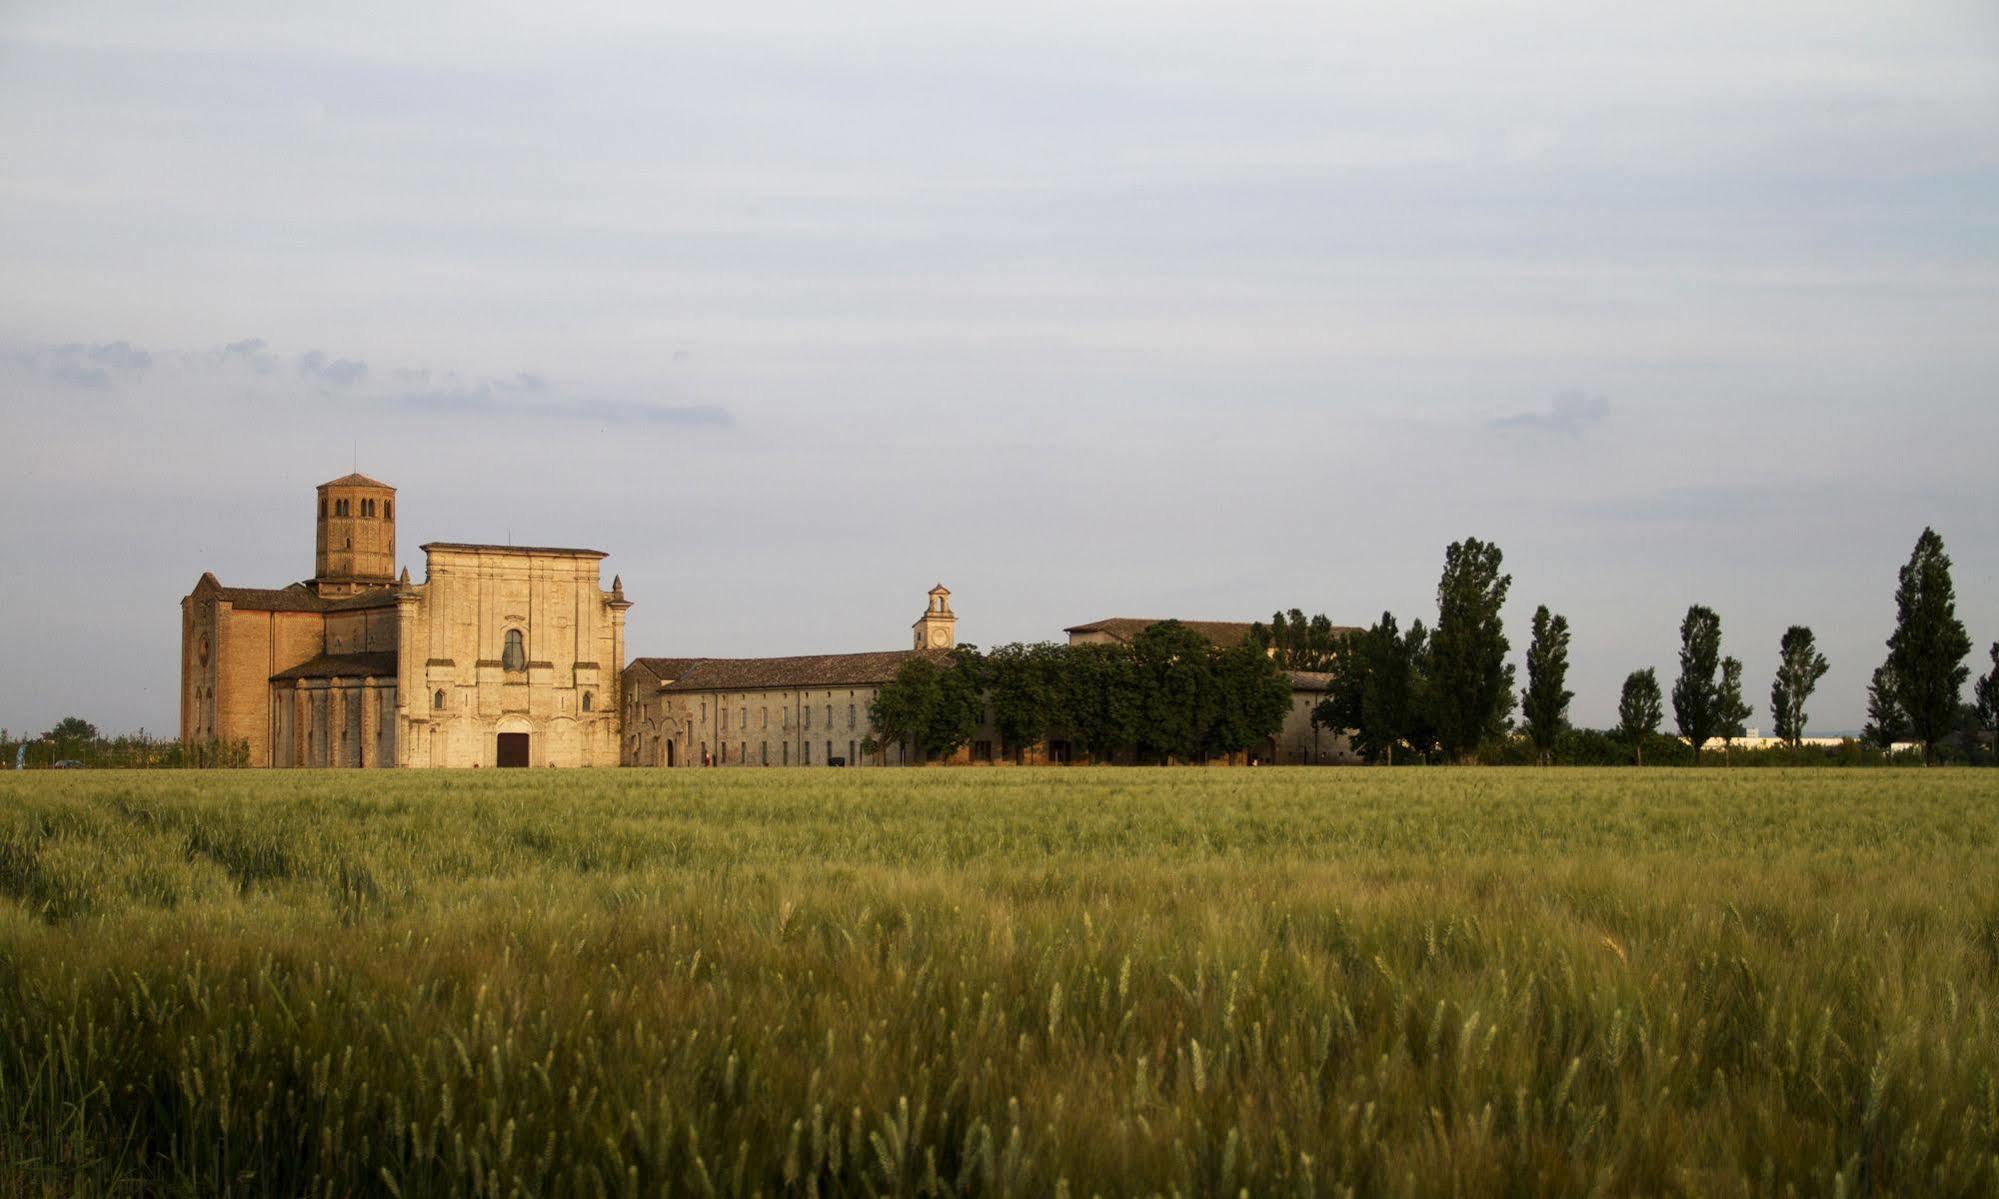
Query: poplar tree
{"type": "Point", "coordinates": [1544, 705]}
{"type": "Point", "coordinates": [1929, 645]}
{"type": "Point", "coordinates": [1733, 711]}
{"type": "Point", "coordinates": [1640, 709]}
{"type": "Point", "coordinates": [1985, 696]}
{"type": "Point", "coordinates": [1470, 682]}
{"type": "Point", "coordinates": [1697, 693]}
{"type": "Point", "coordinates": [1800, 666]}
{"type": "Point", "coordinates": [1886, 723]}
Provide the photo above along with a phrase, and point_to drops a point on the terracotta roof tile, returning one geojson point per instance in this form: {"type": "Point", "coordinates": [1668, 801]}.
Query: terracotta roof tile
{"type": "Point", "coordinates": [810, 670]}
{"type": "Point", "coordinates": [357, 479]}
{"type": "Point", "coordinates": [1225, 633]}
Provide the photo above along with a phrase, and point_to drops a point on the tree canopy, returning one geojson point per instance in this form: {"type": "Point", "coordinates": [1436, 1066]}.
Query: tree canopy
{"type": "Point", "coordinates": [1800, 666]}
{"type": "Point", "coordinates": [1640, 708]}
{"type": "Point", "coordinates": [1469, 683]}
{"type": "Point", "coordinates": [1170, 694]}
{"type": "Point", "coordinates": [1697, 693]}
{"type": "Point", "coordinates": [1544, 705]}
{"type": "Point", "coordinates": [1927, 650]}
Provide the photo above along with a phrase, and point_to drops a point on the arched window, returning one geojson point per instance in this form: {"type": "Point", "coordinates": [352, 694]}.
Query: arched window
{"type": "Point", "coordinates": [586, 701]}
{"type": "Point", "coordinates": [322, 507]}
{"type": "Point", "coordinates": [516, 655]}
{"type": "Point", "coordinates": [388, 509]}
{"type": "Point", "coordinates": [437, 701]}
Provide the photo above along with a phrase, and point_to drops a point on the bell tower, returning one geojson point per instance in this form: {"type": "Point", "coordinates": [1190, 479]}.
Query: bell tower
{"type": "Point", "coordinates": [937, 627]}
{"type": "Point", "coordinates": [355, 549]}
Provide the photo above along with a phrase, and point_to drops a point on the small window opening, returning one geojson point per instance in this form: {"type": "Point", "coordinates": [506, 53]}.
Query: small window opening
{"type": "Point", "coordinates": [515, 657]}
{"type": "Point", "coordinates": [437, 701]}
{"type": "Point", "coordinates": [586, 701]}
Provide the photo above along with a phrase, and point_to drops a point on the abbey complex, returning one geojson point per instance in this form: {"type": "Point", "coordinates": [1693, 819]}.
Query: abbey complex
{"type": "Point", "coordinates": [511, 655]}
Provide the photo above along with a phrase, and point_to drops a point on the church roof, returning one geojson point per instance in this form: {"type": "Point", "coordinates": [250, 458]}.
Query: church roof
{"type": "Point", "coordinates": [298, 597]}
{"type": "Point", "coordinates": [341, 666]}
{"type": "Point", "coordinates": [475, 547]}
{"type": "Point", "coordinates": [1225, 633]}
{"type": "Point", "coordinates": [357, 479]}
{"type": "Point", "coordinates": [809, 670]}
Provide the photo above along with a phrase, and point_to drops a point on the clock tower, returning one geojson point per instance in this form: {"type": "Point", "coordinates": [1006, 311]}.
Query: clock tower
{"type": "Point", "coordinates": [937, 627]}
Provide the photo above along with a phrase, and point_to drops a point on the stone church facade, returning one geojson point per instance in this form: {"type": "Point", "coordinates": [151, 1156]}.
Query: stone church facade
{"type": "Point", "coordinates": [503, 655]}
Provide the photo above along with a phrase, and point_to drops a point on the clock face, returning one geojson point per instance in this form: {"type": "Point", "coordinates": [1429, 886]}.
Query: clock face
{"type": "Point", "coordinates": [938, 636]}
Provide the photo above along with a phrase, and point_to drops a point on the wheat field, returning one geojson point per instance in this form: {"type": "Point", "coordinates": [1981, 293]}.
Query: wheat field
{"type": "Point", "coordinates": [1000, 982]}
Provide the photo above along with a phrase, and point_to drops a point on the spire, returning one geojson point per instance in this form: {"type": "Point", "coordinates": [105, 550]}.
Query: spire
{"type": "Point", "coordinates": [405, 580]}
{"type": "Point", "coordinates": [618, 585]}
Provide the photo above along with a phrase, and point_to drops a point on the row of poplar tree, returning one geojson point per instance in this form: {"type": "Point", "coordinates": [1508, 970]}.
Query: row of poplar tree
{"type": "Point", "coordinates": [1449, 689]}
{"type": "Point", "coordinates": [1427, 692]}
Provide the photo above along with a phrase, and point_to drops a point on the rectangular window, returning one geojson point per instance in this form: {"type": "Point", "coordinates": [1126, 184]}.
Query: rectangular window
{"type": "Point", "coordinates": [723, 714]}
{"type": "Point", "coordinates": [829, 716]}
{"type": "Point", "coordinates": [787, 753]}
{"type": "Point", "coordinates": [764, 753]}
{"type": "Point", "coordinates": [852, 757]}
{"type": "Point", "coordinates": [850, 716]}
{"type": "Point", "coordinates": [744, 713]}
{"type": "Point", "coordinates": [829, 751]}
{"type": "Point", "coordinates": [763, 719]}
{"type": "Point", "coordinates": [805, 753]}
{"type": "Point", "coordinates": [808, 718]}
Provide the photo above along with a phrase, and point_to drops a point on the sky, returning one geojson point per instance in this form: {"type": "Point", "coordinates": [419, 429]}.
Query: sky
{"type": "Point", "coordinates": [1156, 309]}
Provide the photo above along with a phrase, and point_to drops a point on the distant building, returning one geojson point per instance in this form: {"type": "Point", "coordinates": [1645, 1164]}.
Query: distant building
{"type": "Point", "coordinates": [503, 656]}
{"type": "Point", "coordinates": [514, 656]}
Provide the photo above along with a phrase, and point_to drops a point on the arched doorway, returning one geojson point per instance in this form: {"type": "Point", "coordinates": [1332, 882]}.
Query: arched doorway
{"type": "Point", "coordinates": [513, 743]}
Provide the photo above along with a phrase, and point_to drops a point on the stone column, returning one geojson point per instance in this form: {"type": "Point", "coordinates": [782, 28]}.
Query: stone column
{"type": "Point", "coordinates": [371, 717]}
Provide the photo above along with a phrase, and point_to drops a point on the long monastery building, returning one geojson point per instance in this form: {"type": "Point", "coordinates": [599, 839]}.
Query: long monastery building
{"type": "Point", "coordinates": [514, 656]}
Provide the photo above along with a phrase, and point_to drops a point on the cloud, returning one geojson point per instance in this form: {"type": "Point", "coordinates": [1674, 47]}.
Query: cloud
{"type": "Point", "coordinates": [122, 355]}
{"type": "Point", "coordinates": [414, 390]}
{"type": "Point", "coordinates": [509, 397]}
{"type": "Point", "coordinates": [341, 372]}
{"type": "Point", "coordinates": [1570, 414]}
{"type": "Point", "coordinates": [84, 366]}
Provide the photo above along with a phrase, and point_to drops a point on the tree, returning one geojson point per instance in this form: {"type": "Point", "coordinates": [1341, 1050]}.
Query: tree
{"type": "Point", "coordinates": [1640, 709]}
{"type": "Point", "coordinates": [1253, 696]}
{"type": "Point", "coordinates": [1470, 683]}
{"type": "Point", "coordinates": [1177, 694]}
{"type": "Point", "coordinates": [1732, 711]}
{"type": "Point", "coordinates": [71, 729]}
{"type": "Point", "coordinates": [1021, 682]}
{"type": "Point", "coordinates": [1697, 693]}
{"type": "Point", "coordinates": [1985, 696]}
{"type": "Point", "coordinates": [1886, 723]}
{"type": "Point", "coordinates": [1097, 698]}
{"type": "Point", "coordinates": [1374, 695]}
{"type": "Point", "coordinates": [1295, 642]}
{"type": "Point", "coordinates": [930, 709]}
{"type": "Point", "coordinates": [1800, 666]}
{"type": "Point", "coordinates": [1929, 645]}
{"type": "Point", "coordinates": [1544, 705]}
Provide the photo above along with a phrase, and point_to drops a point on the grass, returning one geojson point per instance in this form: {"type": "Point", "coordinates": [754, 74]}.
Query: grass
{"type": "Point", "coordinates": [1000, 982]}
